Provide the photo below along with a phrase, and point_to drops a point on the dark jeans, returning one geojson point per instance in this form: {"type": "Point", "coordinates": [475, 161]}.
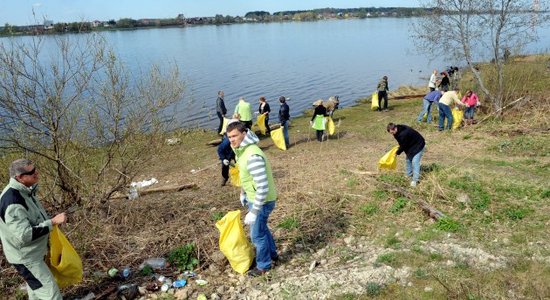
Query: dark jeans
{"type": "Point", "coordinates": [320, 135]}
{"type": "Point", "coordinates": [267, 129]}
{"type": "Point", "coordinates": [225, 171]}
{"type": "Point", "coordinates": [248, 124]}
{"type": "Point", "coordinates": [382, 95]}
{"type": "Point", "coordinates": [445, 112]}
{"type": "Point", "coordinates": [220, 116]}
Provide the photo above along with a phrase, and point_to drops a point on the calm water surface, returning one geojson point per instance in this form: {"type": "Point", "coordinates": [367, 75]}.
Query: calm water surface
{"type": "Point", "coordinates": [301, 60]}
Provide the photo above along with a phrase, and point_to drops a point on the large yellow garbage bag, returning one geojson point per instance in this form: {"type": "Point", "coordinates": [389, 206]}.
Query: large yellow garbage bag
{"type": "Point", "coordinates": [260, 121]}
{"type": "Point", "coordinates": [234, 175]}
{"type": "Point", "coordinates": [389, 160]}
{"type": "Point", "coordinates": [224, 125]}
{"type": "Point", "coordinates": [233, 242]}
{"type": "Point", "coordinates": [458, 115]}
{"type": "Point", "coordinates": [330, 126]}
{"type": "Point", "coordinates": [374, 101]}
{"type": "Point", "coordinates": [278, 138]}
{"type": "Point", "coordinates": [64, 263]}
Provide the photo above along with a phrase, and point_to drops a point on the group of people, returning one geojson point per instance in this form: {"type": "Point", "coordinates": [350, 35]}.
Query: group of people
{"type": "Point", "coordinates": [444, 100]}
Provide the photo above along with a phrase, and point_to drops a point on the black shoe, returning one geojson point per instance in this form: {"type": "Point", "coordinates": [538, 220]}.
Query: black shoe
{"type": "Point", "coordinates": [255, 272]}
{"type": "Point", "coordinates": [223, 182]}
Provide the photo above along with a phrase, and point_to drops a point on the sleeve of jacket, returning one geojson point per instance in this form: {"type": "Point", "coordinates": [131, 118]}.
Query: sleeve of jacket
{"type": "Point", "coordinates": [222, 106]}
{"type": "Point", "coordinates": [17, 220]}
{"type": "Point", "coordinates": [224, 148]}
{"type": "Point", "coordinates": [256, 168]}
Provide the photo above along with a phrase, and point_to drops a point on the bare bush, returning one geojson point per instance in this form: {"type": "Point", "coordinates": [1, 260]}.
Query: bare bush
{"type": "Point", "coordinates": [70, 104]}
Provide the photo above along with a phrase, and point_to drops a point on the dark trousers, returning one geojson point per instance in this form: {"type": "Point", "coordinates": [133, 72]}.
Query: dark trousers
{"type": "Point", "coordinates": [248, 124]}
{"type": "Point", "coordinates": [225, 171]}
{"type": "Point", "coordinates": [220, 116]}
{"type": "Point", "coordinates": [320, 135]}
{"type": "Point", "coordinates": [382, 95]}
{"type": "Point", "coordinates": [267, 129]}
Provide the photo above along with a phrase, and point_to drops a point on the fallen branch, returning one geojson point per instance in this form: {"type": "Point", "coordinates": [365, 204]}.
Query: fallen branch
{"type": "Point", "coordinates": [205, 168]}
{"type": "Point", "coordinates": [500, 109]}
{"type": "Point", "coordinates": [368, 173]}
{"type": "Point", "coordinates": [406, 97]}
{"type": "Point", "coordinates": [161, 189]}
{"type": "Point", "coordinates": [430, 211]}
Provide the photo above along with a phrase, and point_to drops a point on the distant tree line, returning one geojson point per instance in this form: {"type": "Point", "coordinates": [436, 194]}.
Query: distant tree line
{"type": "Point", "coordinates": [249, 17]}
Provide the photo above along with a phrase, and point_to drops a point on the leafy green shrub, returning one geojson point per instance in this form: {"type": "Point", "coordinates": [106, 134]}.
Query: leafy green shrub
{"type": "Point", "coordinates": [448, 224]}
{"type": "Point", "coordinates": [517, 213]}
{"type": "Point", "coordinates": [184, 257]}
{"type": "Point", "coordinates": [216, 216]}
{"type": "Point", "coordinates": [387, 258]}
{"type": "Point", "coordinates": [373, 289]}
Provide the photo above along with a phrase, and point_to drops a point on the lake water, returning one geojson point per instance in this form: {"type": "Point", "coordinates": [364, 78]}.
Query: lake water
{"type": "Point", "coordinates": [301, 60]}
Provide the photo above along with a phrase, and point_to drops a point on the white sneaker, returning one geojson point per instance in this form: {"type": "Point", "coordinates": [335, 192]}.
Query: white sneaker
{"type": "Point", "coordinates": [413, 183]}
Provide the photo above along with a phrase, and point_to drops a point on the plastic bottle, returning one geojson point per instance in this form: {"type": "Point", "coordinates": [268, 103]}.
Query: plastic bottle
{"type": "Point", "coordinates": [179, 283]}
{"type": "Point", "coordinates": [164, 287]}
{"type": "Point", "coordinates": [154, 262]}
{"type": "Point", "coordinates": [133, 193]}
{"type": "Point", "coordinates": [126, 272]}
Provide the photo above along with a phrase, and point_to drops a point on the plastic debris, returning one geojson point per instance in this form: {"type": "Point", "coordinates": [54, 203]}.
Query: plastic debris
{"type": "Point", "coordinates": [172, 141]}
{"type": "Point", "coordinates": [165, 287]}
{"type": "Point", "coordinates": [179, 283]}
{"type": "Point", "coordinates": [201, 282]}
{"type": "Point", "coordinates": [201, 297]}
{"type": "Point", "coordinates": [154, 262]}
{"type": "Point", "coordinates": [189, 274]}
{"type": "Point", "coordinates": [90, 296]}
{"type": "Point", "coordinates": [112, 272]}
{"type": "Point", "coordinates": [126, 272]}
{"type": "Point", "coordinates": [144, 183]}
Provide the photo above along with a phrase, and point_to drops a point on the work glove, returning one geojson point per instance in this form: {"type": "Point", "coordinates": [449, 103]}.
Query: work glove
{"type": "Point", "coordinates": [225, 162]}
{"type": "Point", "coordinates": [243, 199]}
{"type": "Point", "coordinates": [250, 218]}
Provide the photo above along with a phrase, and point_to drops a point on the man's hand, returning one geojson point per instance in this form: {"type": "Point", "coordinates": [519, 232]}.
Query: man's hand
{"type": "Point", "coordinates": [250, 218]}
{"type": "Point", "coordinates": [59, 219]}
{"type": "Point", "coordinates": [225, 162]}
{"type": "Point", "coordinates": [243, 199]}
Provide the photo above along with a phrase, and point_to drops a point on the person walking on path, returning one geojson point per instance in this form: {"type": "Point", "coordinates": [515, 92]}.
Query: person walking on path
{"type": "Point", "coordinates": [412, 143]}
{"type": "Point", "coordinates": [257, 192]}
{"type": "Point", "coordinates": [264, 109]}
{"type": "Point", "coordinates": [318, 119]}
{"type": "Point", "coordinates": [444, 106]}
{"type": "Point", "coordinates": [25, 229]}
{"type": "Point", "coordinates": [433, 81]}
{"type": "Point", "coordinates": [383, 90]}
{"type": "Point", "coordinates": [244, 110]}
{"type": "Point", "coordinates": [284, 118]}
{"type": "Point", "coordinates": [221, 111]}
{"type": "Point", "coordinates": [431, 98]}
{"type": "Point", "coordinates": [471, 100]}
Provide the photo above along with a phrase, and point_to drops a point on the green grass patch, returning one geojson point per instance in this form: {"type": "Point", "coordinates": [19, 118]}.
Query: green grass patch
{"type": "Point", "coordinates": [447, 224]}
{"type": "Point", "coordinates": [388, 259]}
{"type": "Point", "coordinates": [523, 145]}
{"type": "Point", "coordinates": [392, 242]}
{"type": "Point", "coordinates": [398, 205]}
{"type": "Point", "coordinates": [289, 223]}
{"type": "Point", "coordinates": [517, 213]}
{"type": "Point", "coordinates": [480, 198]}
{"type": "Point", "coordinates": [369, 209]}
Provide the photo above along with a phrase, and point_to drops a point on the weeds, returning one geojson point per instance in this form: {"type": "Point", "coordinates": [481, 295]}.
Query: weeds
{"type": "Point", "coordinates": [448, 224]}
{"type": "Point", "coordinates": [184, 257]}
{"type": "Point", "coordinates": [369, 209]}
{"type": "Point", "coordinates": [398, 205]}
{"type": "Point", "coordinates": [289, 223]}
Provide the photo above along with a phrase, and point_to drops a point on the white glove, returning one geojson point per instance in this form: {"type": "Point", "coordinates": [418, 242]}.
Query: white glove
{"type": "Point", "coordinates": [250, 218]}
{"type": "Point", "coordinates": [225, 162]}
{"type": "Point", "coordinates": [243, 199]}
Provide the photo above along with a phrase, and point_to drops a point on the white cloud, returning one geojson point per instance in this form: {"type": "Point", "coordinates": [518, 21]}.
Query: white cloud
{"type": "Point", "coordinates": [38, 4]}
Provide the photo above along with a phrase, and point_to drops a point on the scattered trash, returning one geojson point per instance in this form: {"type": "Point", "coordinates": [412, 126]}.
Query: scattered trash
{"type": "Point", "coordinates": [126, 272]}
{"type": "Point", "coordinates": [90, 296]}
{"type": "Point", "coordinates": [189, 274]}
{"type": "Point", "coordinates": [133, 193]}
{"type": "Point", "coordinates": [152, 287]}
{"type": "Point", "coordinates": [161, 278]}
{"type": "Point", "coordinates": [172, 141]}
{"type": "Point", "coordinates": [313, 265]}
{"type": "Point", "coordinates": [179, 283]}
{"type": "Point", "coordinates": [112, 272]}
{"type": "Point", "coordinates": [128, 292]}
{"type": "Point", "coordinates": [164, 287]}
{"type": "Point", "coordinates": [201, 297]}
{"type": "Point", "coordinates": [154, 262]}
{"type": "Point", "coordinates": [144, 183]}
{"type": "Point", "coordinates": [201, 282]}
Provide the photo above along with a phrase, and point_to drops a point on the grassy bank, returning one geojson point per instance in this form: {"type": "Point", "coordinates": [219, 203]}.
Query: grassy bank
{"type": "Point", "coordinates": [364, 236]}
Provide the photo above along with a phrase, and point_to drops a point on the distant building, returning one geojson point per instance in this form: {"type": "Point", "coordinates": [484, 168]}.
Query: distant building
{"type": "Point", "coordinates": [48, 24]}
{"type": "Point", "coordinates": [96, 23]}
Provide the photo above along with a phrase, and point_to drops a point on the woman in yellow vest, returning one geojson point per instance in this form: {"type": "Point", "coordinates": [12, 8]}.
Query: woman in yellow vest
{"type": "Point", "coordinates": [318, 121]}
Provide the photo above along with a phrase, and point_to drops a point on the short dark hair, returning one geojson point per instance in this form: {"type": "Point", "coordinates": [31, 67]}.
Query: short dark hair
{"type": "Point", "coordinates": [390, 127]}
{"type": "Point", "coordinates": [236, 125]}
{"type": "Point", "coordinates": [262, 98]}
{"type": "Point", "coordinates": [282, 99]}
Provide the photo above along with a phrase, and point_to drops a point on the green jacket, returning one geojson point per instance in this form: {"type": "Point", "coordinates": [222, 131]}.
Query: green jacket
{"type": "Point", "coordinates": [244, 109]}
{"type": "Point", "coordinates": [24, 224]}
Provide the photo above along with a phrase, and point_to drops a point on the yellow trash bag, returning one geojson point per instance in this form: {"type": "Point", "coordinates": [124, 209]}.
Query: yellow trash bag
{"type": "Point", "coordinates": [389, 160]}
{"type": "Point", "coordinates": [458, 115]}
{"type": "Point", "coordinates": [330, 126]}
{"type": "Point", "coordinates": [64, 262]}
{"type": "Point", "coordinates": [374, 101]}
{"type": "Point", "coordinates": [278, 138]}
{"type": "Point", "coordinates": [233, 242]}
{"type": "Point", "coordinates": [224, 125]}
{"type": "Point", "coordinates": [234, 175]}
{"type": "Point", "coordinates": [260, 121]}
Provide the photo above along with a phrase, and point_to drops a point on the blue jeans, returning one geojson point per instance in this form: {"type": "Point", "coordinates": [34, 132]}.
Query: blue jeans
{"type": "Point", "coordinates": [285, 133]}
{"type": "Point", "coordinates": [445, 112]}
{"type": "Point", "coordinates": [261, 237]}
{"type": "Point", "coordinates": [426, 108]}
{"type": "Point", "coordinates": [469, 112]}
{"type": "Point", "coordinates": [413, 166]}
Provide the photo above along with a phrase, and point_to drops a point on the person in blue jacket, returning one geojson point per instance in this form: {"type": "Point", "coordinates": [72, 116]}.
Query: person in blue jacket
{"type": "Point", "coordinates": [226, 154]}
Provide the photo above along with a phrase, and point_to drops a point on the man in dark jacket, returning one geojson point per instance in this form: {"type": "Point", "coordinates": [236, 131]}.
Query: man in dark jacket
{"type": "Point", "coordinates": [284, 118]}
{"type": "Point", "coordinates": [226, 154]}
{"type": "Point", "coordinates": [221, 111]}
{"type": "Point", "coordinates": [412, 143]}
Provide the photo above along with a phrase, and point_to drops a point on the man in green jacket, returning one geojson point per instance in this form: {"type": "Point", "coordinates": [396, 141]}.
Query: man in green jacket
{"type": "Point", "coordinates": [258, 191]}
{"type": "Point", "coordinates": [244, 110]}
{"type": "Point", "coordinates": [25, 228]}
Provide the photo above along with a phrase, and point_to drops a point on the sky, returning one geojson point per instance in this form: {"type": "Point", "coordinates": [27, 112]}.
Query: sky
{"type": "Point", "coordinates": [20, 12]}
